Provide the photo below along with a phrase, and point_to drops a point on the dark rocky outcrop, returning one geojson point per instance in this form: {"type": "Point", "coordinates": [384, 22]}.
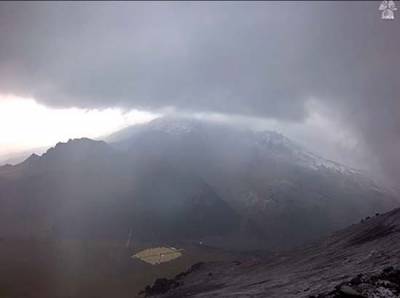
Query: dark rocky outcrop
{"type": "Point", "coordinates": [163, 285]}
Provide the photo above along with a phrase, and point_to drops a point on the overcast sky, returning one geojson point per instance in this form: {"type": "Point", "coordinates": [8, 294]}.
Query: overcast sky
{"type": "Point", "coordinates": [324, 73]}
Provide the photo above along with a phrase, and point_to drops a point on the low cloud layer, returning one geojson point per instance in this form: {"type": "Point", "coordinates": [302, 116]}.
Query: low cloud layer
{"type": "Point", "coordinates": [258, 59]}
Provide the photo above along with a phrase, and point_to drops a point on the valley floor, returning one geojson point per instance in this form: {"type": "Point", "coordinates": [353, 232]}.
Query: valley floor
{"type": "Point", "coordinates": [85, 268]}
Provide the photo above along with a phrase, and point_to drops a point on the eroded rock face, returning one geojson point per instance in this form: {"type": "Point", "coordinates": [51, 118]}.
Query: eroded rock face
{"type": "Point", "coordinates": [386, 284]}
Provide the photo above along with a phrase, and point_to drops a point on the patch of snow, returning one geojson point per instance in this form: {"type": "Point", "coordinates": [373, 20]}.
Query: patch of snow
{"type": "Point", "coordinates": [284, 146]}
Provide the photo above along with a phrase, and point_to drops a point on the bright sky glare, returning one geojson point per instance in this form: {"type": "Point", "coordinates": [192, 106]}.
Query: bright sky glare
{"type": "Point", "coordinates": [26, 124]}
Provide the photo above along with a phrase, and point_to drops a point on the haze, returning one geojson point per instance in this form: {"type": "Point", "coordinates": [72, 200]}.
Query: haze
{"type": "Point", "coordinates": [323, 73]}
{"type": "Point", "coordinates": [199, 149]}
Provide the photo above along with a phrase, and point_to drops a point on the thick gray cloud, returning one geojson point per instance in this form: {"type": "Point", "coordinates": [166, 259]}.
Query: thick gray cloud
{"type": "Point", "coordinates": [263, 59]}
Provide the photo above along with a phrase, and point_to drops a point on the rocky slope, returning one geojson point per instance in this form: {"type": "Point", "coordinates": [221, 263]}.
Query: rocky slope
{"type": "Point", "coordinates": [360, 261]}
{"type": "Point", "coordinates": [184, 179]}
{"type": "Point", "coordinates": [87, 189]}
{"type": "Point", "coordinates": [283, 193]}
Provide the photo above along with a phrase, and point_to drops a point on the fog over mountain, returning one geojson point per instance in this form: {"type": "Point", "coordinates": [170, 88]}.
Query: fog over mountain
{"type": "Point", "coordinates": [170, 133]}
{"type": "Point", "coordinates": [184, 179]}
{"type": "Point", "coordinates": [258, 59]}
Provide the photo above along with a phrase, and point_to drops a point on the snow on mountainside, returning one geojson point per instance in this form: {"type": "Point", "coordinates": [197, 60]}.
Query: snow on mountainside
{"type": "Point", "coordinates": [277, 194]}
{"type": "Point", "coordinates": [300, 154]}
{"type": "Point", "coordinates": [274, 144]}
{"type": "Point", "coordinates": [270, 139]}
{"type": "Point", "coordinates": [283, 192]}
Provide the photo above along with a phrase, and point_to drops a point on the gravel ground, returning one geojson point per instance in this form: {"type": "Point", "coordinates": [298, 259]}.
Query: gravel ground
{"type": "Point", "coordinates": [326, 269]}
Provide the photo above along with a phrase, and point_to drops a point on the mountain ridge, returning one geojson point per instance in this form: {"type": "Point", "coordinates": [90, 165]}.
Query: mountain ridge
{"type": "Point", "coordinates": [264, 184]}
